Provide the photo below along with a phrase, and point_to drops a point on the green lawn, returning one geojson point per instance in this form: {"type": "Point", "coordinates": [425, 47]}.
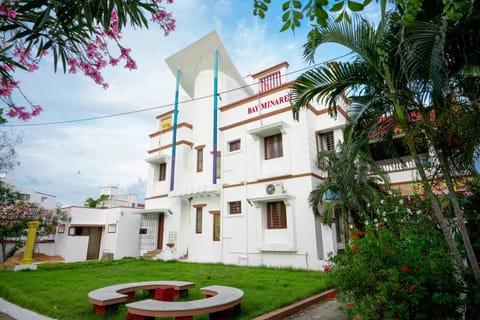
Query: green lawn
{"type": "Point", "coordinates": [60, 290]}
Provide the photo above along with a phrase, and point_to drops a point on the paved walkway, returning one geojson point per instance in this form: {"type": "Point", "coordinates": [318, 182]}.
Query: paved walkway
{"type": "Point", "coordinates": [10, 311]}
{"type": "Point", "coordinates": [325, 310]}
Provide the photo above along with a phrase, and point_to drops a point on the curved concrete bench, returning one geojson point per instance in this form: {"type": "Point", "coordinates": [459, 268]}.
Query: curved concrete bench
{"type": "Point", "coordinates": [219, 301]}
{"type": "Point", "coordinates": [121, 293]}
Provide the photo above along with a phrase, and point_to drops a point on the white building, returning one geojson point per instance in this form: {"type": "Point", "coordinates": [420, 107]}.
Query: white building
{"type": "Point", "coordinates": [44, 200]}
{"type": "Point", "coordinates": [252, 209]}
{"type": "Point", "coordinates": [118, 200]}
{"type": "Point", "coordinates": [110, 231]}
{"type": "Point", "coordinates": [95, 233]}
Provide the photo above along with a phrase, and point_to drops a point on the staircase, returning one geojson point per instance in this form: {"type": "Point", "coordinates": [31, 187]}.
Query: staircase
{"type": "Point", "coordinates": [151, 254]}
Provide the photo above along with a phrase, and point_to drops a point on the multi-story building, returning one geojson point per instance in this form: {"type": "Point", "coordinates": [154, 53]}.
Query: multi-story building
{"type": "Point", "coordinates": [233, 186]}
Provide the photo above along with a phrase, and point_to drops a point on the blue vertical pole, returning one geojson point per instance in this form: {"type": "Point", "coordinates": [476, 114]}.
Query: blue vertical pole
{"type": "Point", "coordinates": [174, 138]}
{"type": "Point", "coordinates": [215, 110]}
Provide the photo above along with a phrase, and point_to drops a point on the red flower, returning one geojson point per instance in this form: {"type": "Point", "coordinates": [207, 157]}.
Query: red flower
{"type": "Point", "coordinates": [404, 268]}
{"type": "Point", "coordinates": [349, 305]}
{"type": "Point", "coordinates": [331, 295]}
{"type": "Point", "coordinates": [411, 288]}
{"type": "Point", "coordinates": [355, 249]}
{"type": "Point", "coordinates": [327, 268]}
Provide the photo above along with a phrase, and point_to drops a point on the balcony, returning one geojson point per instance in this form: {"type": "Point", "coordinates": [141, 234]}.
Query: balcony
{"type": "Point", "coordinates": [402, 164]}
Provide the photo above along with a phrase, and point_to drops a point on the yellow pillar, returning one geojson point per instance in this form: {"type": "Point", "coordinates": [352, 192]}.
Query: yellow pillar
{"type": "Point", "coordinates": [32, 231]}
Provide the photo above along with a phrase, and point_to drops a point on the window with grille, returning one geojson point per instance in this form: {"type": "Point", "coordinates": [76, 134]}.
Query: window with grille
{"type": "Point", "coordinates": [270, 81]}
{"type": "Point", "coordinates": [200, 160]}
{"type": "Point", "coordinates": [162, 172]}
{"type": "Point", "coordinates": [198, 224]}
{"type": "Point", "coordinates": [235, 207]}
{"type": "Point", "coordinates": [216, 226]}
{"type": "Point", "coordinates": [234, 145]}
{"type": "Point", "coordinates": [219, 166]}
{"type": "Point", "coordinates": [276, 215]}
{"type": "Point", "coordinates": [325, 141]}
{"type": "Point", "coordinates": [166, 123]}
{"type": "Point", "coordinates": [273, 146]}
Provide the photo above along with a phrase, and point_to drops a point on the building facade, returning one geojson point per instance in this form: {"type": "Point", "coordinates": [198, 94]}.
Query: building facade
{"type": "Point", "coordinates": [233, 187]}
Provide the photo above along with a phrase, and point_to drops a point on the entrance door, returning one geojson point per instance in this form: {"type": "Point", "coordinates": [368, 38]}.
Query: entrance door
{"type": "Point", "coordinates": [94, 238]}
{"type": "Point", "coordinates": [160, 232]}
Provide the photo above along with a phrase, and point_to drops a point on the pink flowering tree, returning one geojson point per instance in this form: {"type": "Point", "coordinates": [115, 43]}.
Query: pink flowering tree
{"type": "Point", "coordinates": [81, 36]}
{"type": "Point", "coordinates": [15, 213]}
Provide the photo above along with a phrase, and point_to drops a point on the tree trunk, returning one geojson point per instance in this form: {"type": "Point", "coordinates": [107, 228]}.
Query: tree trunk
{"type": "Point", "coordinates": [442, 221]}
{"type": "Point", "coordinates": [459, 216]}
{"type": "Point", "coordinates": [4, 247]}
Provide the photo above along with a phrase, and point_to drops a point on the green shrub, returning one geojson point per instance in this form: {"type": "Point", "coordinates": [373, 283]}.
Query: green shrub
{"type": "Point", "coordinates": [398, 267]}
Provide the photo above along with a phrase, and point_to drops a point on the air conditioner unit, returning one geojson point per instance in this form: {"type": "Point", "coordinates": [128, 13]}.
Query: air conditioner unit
{"type": "Point", "coordinates": [274, 189]}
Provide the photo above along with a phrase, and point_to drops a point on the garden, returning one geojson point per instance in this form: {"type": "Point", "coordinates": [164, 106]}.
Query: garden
{"type": "Point", "coordinates": [60, 290]}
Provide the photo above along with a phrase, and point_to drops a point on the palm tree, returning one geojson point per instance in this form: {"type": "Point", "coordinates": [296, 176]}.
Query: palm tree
{"type": "Point", "coordinates": [353, 178]}
{"type": "Point", "coordinates": [93, 203]}
{"type": "Point", "coordinates": [387, 91]}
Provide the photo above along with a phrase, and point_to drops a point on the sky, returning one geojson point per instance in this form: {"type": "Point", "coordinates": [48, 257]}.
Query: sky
{"type": "Point", "coordinates": [73, 160]}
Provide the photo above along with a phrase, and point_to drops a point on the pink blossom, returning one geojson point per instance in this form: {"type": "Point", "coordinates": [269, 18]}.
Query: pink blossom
{"type": "Point", "coordinates": [113, 61]}
{"type": "Point", "coordinates": [468, 193]}
{"type": "Point", "coordinates": [124, 52]}
{"type": "Point", "coordinates": [130, 64]}
{"type": "Point", "coordinates": [36, 110]}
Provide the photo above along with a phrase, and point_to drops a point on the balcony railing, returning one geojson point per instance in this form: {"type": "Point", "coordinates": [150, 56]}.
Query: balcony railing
{"type": "Point", "coordinates": [402, 164]}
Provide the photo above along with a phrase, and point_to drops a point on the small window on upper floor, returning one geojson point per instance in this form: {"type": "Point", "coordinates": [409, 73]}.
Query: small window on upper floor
{"type": "Point", "coordinates": [166, 123]}
{"type": "Point", "coordinates": [200, 160]}
{"type": "Point", "coordinates": [270, 81]}
{"type": "Point", "coordinates": [234, 145]}
{"type": "Point", "coordinates": [273, 146]}
{"type": "Point", "coordinates": [162, 174]}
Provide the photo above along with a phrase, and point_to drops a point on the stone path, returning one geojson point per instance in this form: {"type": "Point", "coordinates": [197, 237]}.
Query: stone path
{"type": "Point", "coordinates": [4, 316]}
{"type": "Point", "coordinates": [325, 310]}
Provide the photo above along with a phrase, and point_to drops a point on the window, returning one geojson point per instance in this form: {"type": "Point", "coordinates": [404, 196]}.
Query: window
{"type": "Point", "coordinates": [273, 146]}
{"type": "Point", "coordinates": [142, 231]}
{"type": "Point", "coordinates": [271, 81]}
{"type": "Point", "coordinates": [325, 141]}
{"type": "Point", "coordinates": [276, 215]}
{"type": "Point", "coordinates": [200, 160]}
{"type": "Point", "coordinates": [162, 172]}
{"type": "Point", "coordinates": [219, 165]}
{"type": "Point", "coordinates": [235, 207]}
{"type": "Point", "coordinates": [216, 225]}
{"type": "Point", "coordinates": [198, 224]}
{"type": "Point", "coordinates": [166, 123]}
{"type": "Point", "coordinates": [234, 145]}
{"type": "Point", "coordinates": [78, 231]}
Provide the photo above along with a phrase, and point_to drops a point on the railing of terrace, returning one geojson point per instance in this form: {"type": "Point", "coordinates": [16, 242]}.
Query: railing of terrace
{"type": "Point", "coordinates": [402, 164]}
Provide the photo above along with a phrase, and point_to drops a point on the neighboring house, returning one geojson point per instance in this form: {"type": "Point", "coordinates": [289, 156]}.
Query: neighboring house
{"type": "Point", "coordinates": [96, 233]}
{"type": "Point", "coordinates": [245, 203]}
{"type": "Point", "coordinates": [45, 200]}
{"type": "Point", "coordinates": [118, 200]}
{"type": "Point", "coordinates": [110, 231]}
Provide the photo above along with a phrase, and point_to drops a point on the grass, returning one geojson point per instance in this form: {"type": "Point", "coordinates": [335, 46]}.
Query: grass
{"type": "Point", "coordinates": [60, 290]}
